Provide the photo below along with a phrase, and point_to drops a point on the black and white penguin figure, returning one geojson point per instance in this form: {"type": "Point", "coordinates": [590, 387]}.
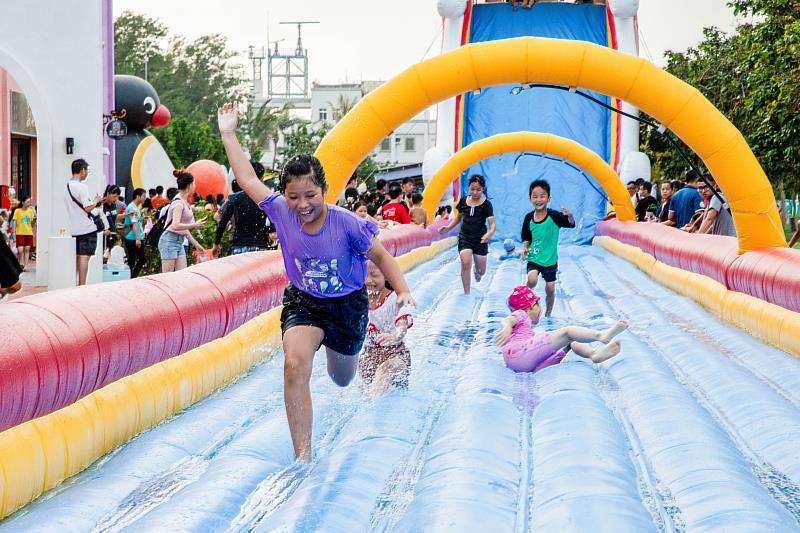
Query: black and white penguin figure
{"type": "Point", "coordinates": [140, 160]}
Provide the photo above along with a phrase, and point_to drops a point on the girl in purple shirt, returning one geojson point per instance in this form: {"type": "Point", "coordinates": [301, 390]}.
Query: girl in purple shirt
{"type": "Point", "coordinates": [325, 251]}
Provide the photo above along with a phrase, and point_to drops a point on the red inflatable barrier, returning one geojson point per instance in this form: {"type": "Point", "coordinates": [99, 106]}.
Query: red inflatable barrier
{"type": "Point", "coordinates": [771, 274]}
{"type": "Point", "coordinates": [57, 347]}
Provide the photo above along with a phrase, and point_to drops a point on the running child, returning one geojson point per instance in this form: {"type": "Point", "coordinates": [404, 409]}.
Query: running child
{"type": "Point", "coordinates": [474, 211]}
{"type": "Point", "coordinates": [540, 240]}
{"type": "Point", "coordinates": [525, 351]}
{"type": "Point", "coordinates": [386, 360]}
{"type": "Point", "coordinates": [325, 250]}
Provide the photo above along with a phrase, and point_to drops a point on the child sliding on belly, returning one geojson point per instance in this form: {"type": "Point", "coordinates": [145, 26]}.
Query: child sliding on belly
{"type": "Point", "coordinates": [525, 351]}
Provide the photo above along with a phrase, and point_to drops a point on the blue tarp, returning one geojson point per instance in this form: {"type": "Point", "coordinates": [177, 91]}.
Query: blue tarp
{"type": "Point", "coordinates": [495, 110]}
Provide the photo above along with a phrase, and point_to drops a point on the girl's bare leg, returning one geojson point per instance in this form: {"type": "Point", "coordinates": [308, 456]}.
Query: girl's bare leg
{"type": "Point", "coordinates": [299, 345]}
{"type": "Point", "coordinates": [597, 356]}
{"type": "Point", "coordinates": [466, 264]}
{"type": "Point", "coordinates": [564, 336]}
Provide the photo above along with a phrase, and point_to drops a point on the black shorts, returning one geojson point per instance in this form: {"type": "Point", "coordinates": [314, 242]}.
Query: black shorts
{"type": "Point", "coordinates": [548, 272]}
{"type": "Point", "coordinates": [344, 319]}
{"type": "Point", "coordinates": [477, 247]}
{"type": "Point", "coordinates": [86, 244]}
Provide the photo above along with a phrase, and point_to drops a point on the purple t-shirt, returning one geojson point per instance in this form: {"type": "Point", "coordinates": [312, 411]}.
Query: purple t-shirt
{"type": "Point", "coordinates": [329, 263]}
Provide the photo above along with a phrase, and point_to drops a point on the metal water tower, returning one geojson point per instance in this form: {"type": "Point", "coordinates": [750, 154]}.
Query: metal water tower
{"type": "Point", "coordinates": [287, 71]}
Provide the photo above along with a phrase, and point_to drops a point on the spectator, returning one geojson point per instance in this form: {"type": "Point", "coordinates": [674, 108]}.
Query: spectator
{"type": "Point", "coordinates": [172, 192]}
{"type": "Point", "coordinates": [408, 189]}
{"type": "Point", "coordinates": [10, 269]}
{"type": "Point", "coordinates": [220, 200]}
{"type": "Point", "coordinates": [685, 202]}
{"type": "Point", "coordinates": [249, 223]}
{"type": "Point", "coordinates": [350, 198]}
{"type": "Point", "coordinates": [134, 237]}
{"type": "Point", "coordinates": [706, 193]}
{"type": "Point", "coordinates": [22, 227]}
{"type": "Point", "coordinates": [112, 205]}
{"type": "Point", "coordinates": [662, 212]}
{"type": "Point", "coordinates": [677, 185]}
{"type": "Point", "coordinates": [417, 214]}
{"type": "Point", "coordinates": [80, 208]}
{"type": "Point", "coordinates": [4, 226]}
{"type": "Point", "coordinates": [158, 201]}
{"type": "Point", "coordinates": [382, 192]}
{"type": "Point", "coordinates": [633, 191]}
{"type": "Point", "coordinates": [272, 238]}
{"type": "Point", "coordinates": [179, 223]}
{"type": "Point", "coordinates": [151, 193]}
{"type": "Point", "coordinates": [647, 203]}
{"type": "Point", "coordinates": [395, 210]}
{"type": "Point", "coordinates": [717, 219]}
{"type": "Point", "coordinates": [444, 212]}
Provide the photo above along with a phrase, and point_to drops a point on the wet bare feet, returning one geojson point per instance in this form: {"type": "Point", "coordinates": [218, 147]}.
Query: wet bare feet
{"type": "Point", "coordinates": [606, 352]}
{"type": "Point", "coordinates": [613, 331]}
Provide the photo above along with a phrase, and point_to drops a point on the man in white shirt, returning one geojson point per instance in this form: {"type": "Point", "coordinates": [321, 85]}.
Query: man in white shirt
{"type": "Point", "coordinates": [81, 224]}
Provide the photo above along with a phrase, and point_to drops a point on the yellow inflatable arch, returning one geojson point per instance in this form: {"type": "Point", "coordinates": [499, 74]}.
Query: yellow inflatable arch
{"type": "Point", "coordinates": [677, 105]}
{"type": "Point", "coordinates": [523, 141]}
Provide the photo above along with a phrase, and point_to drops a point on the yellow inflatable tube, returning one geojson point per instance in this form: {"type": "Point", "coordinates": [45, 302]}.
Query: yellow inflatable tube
{"type": "Point", "coordinates": [38, 455]}
{"type": "Point", "coordinates": [677, 105]}
{"type": "Point", "coordinates": [771, 323]}
{"type": "Point", "coordinates": [523, 141]}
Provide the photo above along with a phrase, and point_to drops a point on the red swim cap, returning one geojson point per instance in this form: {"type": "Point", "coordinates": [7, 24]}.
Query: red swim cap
{"type": "Point", "coordinates": [521, 298]}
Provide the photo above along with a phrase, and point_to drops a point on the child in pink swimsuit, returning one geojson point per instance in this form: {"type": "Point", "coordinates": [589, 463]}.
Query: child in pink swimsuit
{"type": "Point", "coordinates": [525, 351]}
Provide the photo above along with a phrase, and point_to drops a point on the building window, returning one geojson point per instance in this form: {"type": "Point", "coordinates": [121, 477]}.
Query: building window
{"type": "Point", "coordinates": [323, 114]}
{"type": "Point", "coordinates": [410, 144]}
{"type": "Point", "coordinates": [386, 145]}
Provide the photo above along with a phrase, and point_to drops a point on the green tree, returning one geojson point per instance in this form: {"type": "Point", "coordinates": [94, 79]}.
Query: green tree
{"type": "Point", "coordinates": [192, 78]}
{"type": "Point", "coordinates": [300, 138]}
{"type": "Point", "coordinates": [188, 139]}
{"type": "Point", "coordinates": [753, 77]}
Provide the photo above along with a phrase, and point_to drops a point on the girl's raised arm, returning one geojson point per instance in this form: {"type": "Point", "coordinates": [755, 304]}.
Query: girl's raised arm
{"type": "Point", "coordinates": [242, 169]}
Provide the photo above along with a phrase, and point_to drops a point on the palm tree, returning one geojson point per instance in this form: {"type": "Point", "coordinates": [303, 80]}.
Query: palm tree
{"type": "Point", "coordinates": [267, 125]}
{"type": "Point", "coordinates": [342, 106]}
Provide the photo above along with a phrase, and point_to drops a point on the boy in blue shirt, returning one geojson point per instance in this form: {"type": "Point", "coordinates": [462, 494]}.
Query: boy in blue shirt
{"type": "Point", "coordinates": [540, 240]}
{"type": "Point", "coordinates": [685, 203]}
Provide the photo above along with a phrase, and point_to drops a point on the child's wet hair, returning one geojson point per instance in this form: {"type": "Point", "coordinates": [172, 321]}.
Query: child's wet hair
{"type": "Point", "coordinates": [477, 178]}
{"type": "Point", "coordinates": [539, 183]}
{"type": "Point", "coordinates": [385, 281]}
{"type": "Point", "coordinates": [303, 166]}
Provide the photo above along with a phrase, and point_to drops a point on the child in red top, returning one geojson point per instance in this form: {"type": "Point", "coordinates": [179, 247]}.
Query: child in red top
{"type": "Point", "coordinates": [386, 360]}
{"type": "Point", "coordinates": [395, 209]}
{"type": "Point", "coordinates": [525, 351]}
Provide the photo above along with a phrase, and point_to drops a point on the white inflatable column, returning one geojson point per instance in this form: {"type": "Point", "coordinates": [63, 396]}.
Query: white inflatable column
{"type": "Point", "coordinates": [452, 13]}
{"type": "Point", "coordinates": [633, 164]}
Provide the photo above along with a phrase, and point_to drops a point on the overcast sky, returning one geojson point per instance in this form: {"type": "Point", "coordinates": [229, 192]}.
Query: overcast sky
{"type": "Point", "coordinates": [374, 40]}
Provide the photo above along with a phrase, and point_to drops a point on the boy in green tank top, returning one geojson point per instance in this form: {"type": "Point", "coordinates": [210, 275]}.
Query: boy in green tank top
{"type": "Point", "coordinates": [540, 240]}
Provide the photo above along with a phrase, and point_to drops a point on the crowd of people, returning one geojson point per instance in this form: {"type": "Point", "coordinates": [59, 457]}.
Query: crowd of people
{"type": "Point", "coordinates": [695, 205]}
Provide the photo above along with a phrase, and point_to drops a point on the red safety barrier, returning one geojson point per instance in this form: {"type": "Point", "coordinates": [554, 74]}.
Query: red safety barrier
{"type": "Point", "coordinates": [771, 274]}
{"type": "Point", "coordinates": [56, 348]}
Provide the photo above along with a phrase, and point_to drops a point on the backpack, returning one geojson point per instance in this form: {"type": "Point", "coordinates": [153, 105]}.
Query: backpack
{"type": "Point", "coordinates": [158, 228]}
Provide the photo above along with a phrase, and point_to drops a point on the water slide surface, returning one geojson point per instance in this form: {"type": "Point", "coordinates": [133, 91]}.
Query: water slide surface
{"type": "Point", "coordinates": [693, 427]}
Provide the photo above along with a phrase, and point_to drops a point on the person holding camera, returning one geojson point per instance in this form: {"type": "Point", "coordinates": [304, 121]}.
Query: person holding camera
{"type": "Point", "coordinates": [84, 222]}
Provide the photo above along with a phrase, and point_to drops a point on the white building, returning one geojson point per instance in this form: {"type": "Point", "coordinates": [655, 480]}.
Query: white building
{"type": "Point", "coordinates": [405, 147]}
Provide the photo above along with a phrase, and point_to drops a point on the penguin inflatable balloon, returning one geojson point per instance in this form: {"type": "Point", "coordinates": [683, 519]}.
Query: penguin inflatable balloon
{"type": "Point", "coordinates": [140, 160]}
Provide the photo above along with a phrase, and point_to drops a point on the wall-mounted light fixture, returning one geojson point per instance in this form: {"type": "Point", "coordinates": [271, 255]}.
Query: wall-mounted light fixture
{"type": "Point", "coordinates": [70, 145]}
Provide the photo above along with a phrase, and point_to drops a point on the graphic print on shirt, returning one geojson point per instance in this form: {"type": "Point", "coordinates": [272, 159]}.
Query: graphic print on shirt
{"type": "Point", "coordinates": [320, 275]}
